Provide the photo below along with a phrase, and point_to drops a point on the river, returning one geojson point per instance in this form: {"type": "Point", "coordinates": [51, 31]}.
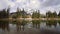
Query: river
{"type": "Point", "coordinates": [30, 27]}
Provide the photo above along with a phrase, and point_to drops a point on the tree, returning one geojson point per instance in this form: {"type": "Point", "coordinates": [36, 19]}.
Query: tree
{"type": "Point", "coordinates": [18, 12]}
{"type": "Point", "coordinates": [49, 14]}
{"type": "Point", "coordinates": [4, 14]}
{"type": "Point", "coordinates": [36, 14]}
{"type": "Point", "coordinates": [59, 14]}
{"type": "Point", "coordinates": [8, 12]}
{"type": "Point", "coordinates": [54, 14]}
{"type": "Point", "coordinates": [21, 13]}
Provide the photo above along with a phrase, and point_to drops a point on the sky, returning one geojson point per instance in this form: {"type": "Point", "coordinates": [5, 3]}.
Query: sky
{"type": "Point", "coordinates": [29, 5]}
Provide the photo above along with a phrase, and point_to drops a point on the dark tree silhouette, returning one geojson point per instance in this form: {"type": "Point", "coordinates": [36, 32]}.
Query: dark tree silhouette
{"type": "Point", "coordinates": [4, 13]}
{"type": "Point", "coordinates": [59, 14]}
{"type": "Point", "coordinates": [36, 14]}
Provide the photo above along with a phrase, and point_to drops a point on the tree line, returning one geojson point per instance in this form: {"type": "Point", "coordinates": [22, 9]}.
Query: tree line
{"type": "Point", "coordinates": [4, 13]}
{"type": "Point", "coordinates": [35, 14]}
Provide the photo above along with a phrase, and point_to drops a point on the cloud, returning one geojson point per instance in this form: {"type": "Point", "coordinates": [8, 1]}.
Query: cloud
{"type": "Point", "coordinates": [32, 4]}
{"type": "Point", "coordinates": [42, 5]}
{"type": "Point", "coordinates": [48, 3]}
{"type": "Point", "coordinates": [5, 4]}
{"type": "Point", "coordinates": [26, 4]}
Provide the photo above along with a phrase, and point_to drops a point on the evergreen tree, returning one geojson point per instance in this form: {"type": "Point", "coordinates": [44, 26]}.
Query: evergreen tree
{"type": "Point", "coordinates": [59, 14]}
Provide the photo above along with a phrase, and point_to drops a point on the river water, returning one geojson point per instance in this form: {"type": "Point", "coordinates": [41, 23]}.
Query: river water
{"type": "Point", "coordinates": [30, 27]}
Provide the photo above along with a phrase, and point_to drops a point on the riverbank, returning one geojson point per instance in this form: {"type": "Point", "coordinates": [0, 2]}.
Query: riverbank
{"type": "Point", "coordinates": [12, 19]}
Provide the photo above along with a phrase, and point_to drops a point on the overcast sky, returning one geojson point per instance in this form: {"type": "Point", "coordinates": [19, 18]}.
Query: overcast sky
{"type": "Point", "coordinates": [42, 5]}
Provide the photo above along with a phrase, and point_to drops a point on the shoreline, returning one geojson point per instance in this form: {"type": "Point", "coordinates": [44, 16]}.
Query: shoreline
{"type": "Point", "coordinates": [30, 19]}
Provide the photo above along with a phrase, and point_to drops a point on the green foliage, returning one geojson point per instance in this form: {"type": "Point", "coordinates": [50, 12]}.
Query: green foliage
{"type": "Point", "coordinates": [49, 14]}
{"type": "Point", "coordinates": [4, 13]}
{"type": "Point", "coordinates": [36, 21]}
{"type": "Point", "coordinates": [51, 22]}
{"type": "Point", "coordinates": [55, 14]}
{"type": "Point", "coordinates": [36, 15]}
{"type": "Point", "coordinates": [59, 15]}
{"type": "Point", "coordinates": [21, 13]}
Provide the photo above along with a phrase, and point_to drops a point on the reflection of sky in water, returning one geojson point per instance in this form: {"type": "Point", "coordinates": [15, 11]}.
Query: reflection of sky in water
{"type": "Point", "coordinates": [29, 26]}
{"type": "Point", "coordinates": [52, 28]}
{"type": "Point", "coordinates": [12, 27]}
{"type": "Point", "coordinates": [42, 26]}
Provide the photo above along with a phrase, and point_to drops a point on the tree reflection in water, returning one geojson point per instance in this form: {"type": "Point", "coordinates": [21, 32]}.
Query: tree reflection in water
{"type": "Point", "coordinates": [4, 25]}
{"type": "Point", "coordinates": [36, 23]}
{"type": "Point", "coordinates": [59, 22]}
{"type": "Point", "coordinates": [51, 22]}
{"type": "Point", "coordinates": [20, 25]}
{"type": "Point", "coordinates": [23, 27]}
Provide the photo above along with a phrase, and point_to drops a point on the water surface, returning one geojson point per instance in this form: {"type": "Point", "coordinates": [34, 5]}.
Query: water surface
{"type": "Point", "coordinates": [30, 27]}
